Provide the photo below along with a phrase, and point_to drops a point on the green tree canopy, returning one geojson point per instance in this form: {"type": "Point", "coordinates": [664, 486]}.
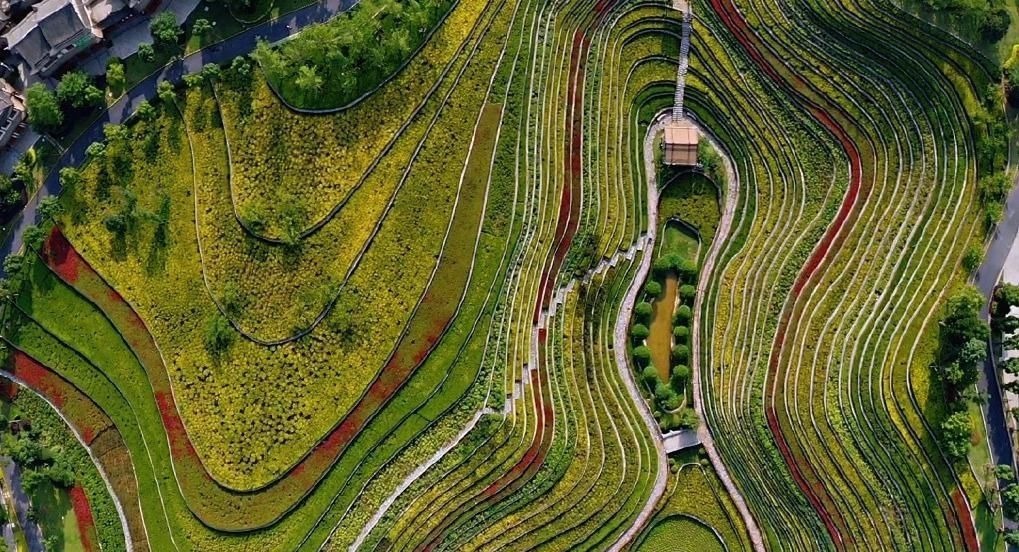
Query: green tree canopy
{"type": "Point", "coordinates": [165, 29]}
{"type": "Point", "coordinates": [44, 112]}
{"type": "Point", "coordinates": [76, 90]}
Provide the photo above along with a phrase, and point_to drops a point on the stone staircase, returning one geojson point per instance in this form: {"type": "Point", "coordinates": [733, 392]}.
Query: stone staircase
{"type": "Point", "coordinates": [684, 63]}
{"type": "Point", "coordinates": [558, 299]}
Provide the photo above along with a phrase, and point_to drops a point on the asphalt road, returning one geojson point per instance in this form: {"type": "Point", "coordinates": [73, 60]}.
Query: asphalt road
{"type": "Point", "coordinates": [33, 534]}
{"type": "Point", "coordinates": [222, 52]}
{"type": "Point", "coordinates": [985, 279]}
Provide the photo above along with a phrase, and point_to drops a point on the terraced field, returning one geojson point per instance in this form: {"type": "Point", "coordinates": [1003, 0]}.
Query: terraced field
{"type": "Point", "coordinates": [408, 322]}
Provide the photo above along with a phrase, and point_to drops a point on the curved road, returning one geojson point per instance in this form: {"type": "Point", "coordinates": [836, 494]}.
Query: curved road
{"type": "Point", "coordinates": [986, 278]}
{"type": "Point", "coordinates": [222, 52]}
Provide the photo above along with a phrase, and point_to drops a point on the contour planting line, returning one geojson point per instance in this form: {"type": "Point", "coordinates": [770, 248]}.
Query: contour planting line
{"type": "Point", "coordinates": [732, 189]}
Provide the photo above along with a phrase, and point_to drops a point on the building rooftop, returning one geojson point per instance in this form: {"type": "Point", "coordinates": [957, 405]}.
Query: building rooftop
{"type": "Point", "coordinates": [681, 140]}
{"type": "Point", "coordinates": [52, 26]}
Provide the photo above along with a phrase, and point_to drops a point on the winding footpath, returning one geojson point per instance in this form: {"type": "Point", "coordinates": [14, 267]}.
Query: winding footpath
{"type": "Point", "coordinates": [240, 44]}
{"type": "Point", "coordinates": [620, 336]}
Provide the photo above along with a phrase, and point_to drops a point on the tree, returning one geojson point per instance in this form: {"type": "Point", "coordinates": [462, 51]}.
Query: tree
{"type": "Point", "coordinates": [963, 321]}
{"type": "Point", "coordinates": [34, 237]}
{"type": "Point", "coordinates": [1010, 501]}
{"type": "Point", "coordinates": [955, 434]}
{"type": "Point", "coordinates": [147, 52]}
{"type": "Point", "coordinates": [643, 311]}
{"type": "Point", "coordinates": [166, 93]}
{"type": "Point", "coordinates": [14, 267]}
{"type": "Point", "coordinates": [211, 72]}
{"type": "Point", "coordinates": [995, 24]}
{"type": "Point", "coordinates": [10, 194]}
{"type": "Point", "coordinates": [165, 29]}
{"type": "Point", "coordinates": [683, 314]}
{"type": "Point", "coordinates": [1004, 472]}
{"type": "Point", "coordinates": [642, 355]}
{"type": "Point", "coordinates": [76, 90]}
{"type": "Point", "coordinates": [202, 27]}
{"type": "Point", "coordinates": [115, 78]}
{"type": "Point", "coordinates": [193, 80]}
{"type": "Point", "coordinates": [25, 452]}
{"type": "Point", "coordinates": [653, 289]}
{"type": "Point", "coordinates": [61, 474]}
{"type": "Point", "coordinates": [50, 207]}
{"type": "Point", "coordinates": [218, 335]}
{"type": "Point", "coordinates": [240, 70]}
{"type": "Point", "coordinates": [44, 112]}
{"type": "Point", "coordinates": [639, 332]}
{"type": "Point", "coordinates": [145, 111]}
{"type": "Point", "coordinates": [664, 393]}
{"type": "Point", "coordinates": [681, 353]}
{"type": "Point", "coordinates": [32, 480]}
{"type": "Point", "coordinates": [95, 150]}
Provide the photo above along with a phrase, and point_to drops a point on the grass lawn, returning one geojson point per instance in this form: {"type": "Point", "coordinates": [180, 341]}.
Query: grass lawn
{"type": "Point", "coordinates": [676, 239]}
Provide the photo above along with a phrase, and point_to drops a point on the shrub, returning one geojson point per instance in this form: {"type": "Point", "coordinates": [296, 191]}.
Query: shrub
{"type": "Point", "coordinates": [680, 375]}
{"type": "Point", "coordinates": [687, 292]}
{"type": "Point", "coordinates": [681, 353]}
{"type": "Point", "coordinates": [972, 259]}
{"type": "Point", "coordinates": [653, 288]}
{"type": "Point", "coordinates": [664, 393]}
{"type": "Point", "coordinates": [643, 311]}
{"type": "Point", "coordinates": [650, 375]}
{"type": "Point", "coordinates": [681, 333]}
{"type": "Point", "coordinates": [642, 355]}
{"type": "Point", "coordinates": [639, 332]}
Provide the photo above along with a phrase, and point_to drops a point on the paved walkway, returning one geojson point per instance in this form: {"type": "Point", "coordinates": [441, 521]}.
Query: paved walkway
{"type": "Point", "coordinates": [222, 52]}
{"type": "Point", "coordinates": [619, 337]}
